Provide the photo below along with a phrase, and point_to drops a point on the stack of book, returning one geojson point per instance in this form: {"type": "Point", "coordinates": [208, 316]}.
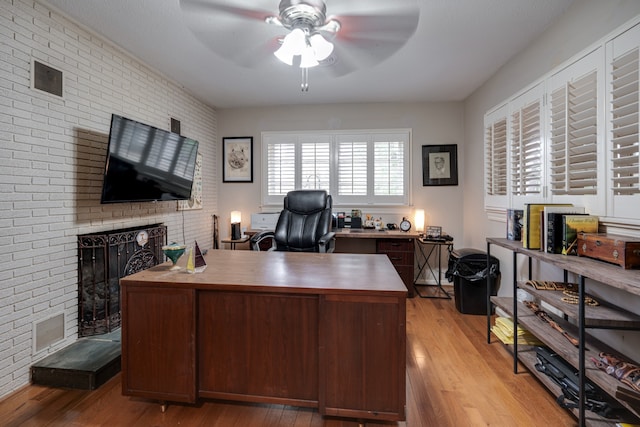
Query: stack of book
{"type": "Point", "coordinates": [554, 228]}
{"type": "Point", "coordinates": [532, 227]}
{"type": "Point", "coordinates": [553, 216]}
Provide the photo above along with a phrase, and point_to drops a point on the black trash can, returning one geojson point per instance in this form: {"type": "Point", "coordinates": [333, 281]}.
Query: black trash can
{"type": "Point", "coordinates": [468, 272]}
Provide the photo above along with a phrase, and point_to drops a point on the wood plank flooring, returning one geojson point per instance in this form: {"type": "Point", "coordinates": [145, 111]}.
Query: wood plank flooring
{"type": "Point", "coordinates": [454, 379]}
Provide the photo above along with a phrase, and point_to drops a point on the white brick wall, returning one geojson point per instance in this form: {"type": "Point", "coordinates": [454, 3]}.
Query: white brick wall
{"type": "Point", "coordinates": [52, 154]}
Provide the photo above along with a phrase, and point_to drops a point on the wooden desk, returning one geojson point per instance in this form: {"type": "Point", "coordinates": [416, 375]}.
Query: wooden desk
{"type": "Point", "coordinates": [399, 246]}
{"type": "Point", "coordinates": [317, 330]}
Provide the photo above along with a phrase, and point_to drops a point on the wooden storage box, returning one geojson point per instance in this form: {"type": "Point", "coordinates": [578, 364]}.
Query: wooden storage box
{"type": "Point", "coordinates": [621, 250]}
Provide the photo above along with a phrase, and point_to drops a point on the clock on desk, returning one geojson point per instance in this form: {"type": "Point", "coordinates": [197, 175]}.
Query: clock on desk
{"type": "Point", "coordinates": [405, 225]}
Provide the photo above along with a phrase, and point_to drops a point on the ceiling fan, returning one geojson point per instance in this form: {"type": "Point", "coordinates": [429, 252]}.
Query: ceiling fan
{"type": "Point", "coordinates": [358, 33]}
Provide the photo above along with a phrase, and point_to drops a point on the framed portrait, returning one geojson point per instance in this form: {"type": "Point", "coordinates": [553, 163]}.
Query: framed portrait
{"type": "Point", "coordinates": [237, 159]}
{"type": "Point", "coordinates": [440, 164]}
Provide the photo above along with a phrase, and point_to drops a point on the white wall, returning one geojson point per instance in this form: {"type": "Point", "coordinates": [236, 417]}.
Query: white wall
{"type": "Point", "coordinates": [52, 154]}
{"type": "Point", "coordinates": [432, 123]}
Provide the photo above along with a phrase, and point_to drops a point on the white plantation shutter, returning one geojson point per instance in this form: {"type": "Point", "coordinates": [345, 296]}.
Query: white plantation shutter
{"type": "Point", "coordinates": [576, 133]}
{"type": "Point", "coordinates": [315, 162]}
{"type": "Point", "coordinates": [574, 141]}
{"type": "Point", "coordinates": [496, 158]}
{"type": "Point", "coordinates": [356, 168]}
{"type": "Point", "coordinates": [389, 161]}
{"type": "Point", "coordinates": [557, 142]}
{"type": "Point", "coordinates": [623, 87]}
{"type": "Point", "coordinates": [281, 158]}
{"type": "Point", "coordinates": [625, 170]}
{"type": "Point", "coordinates": [352, 166]}
{"type": "Point", "coordinates": [526, 151]}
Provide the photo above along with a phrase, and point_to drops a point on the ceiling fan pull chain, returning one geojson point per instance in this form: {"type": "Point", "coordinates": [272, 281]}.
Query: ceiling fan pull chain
{"type": "Point", "coordinates": [305, 80]}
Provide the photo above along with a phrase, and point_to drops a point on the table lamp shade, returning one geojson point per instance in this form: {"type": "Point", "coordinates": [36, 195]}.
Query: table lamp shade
{"type": "Point", "coordinates": [419, 220]}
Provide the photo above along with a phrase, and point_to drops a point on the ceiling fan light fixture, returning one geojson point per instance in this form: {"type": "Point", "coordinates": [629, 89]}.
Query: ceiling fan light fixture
{"type": "Point", "coordinates": [293, 44]}
{"type": "Point", "coordinates": [308, 58]}
{"type": "Point", "coordinates": [321, 47]}
{"type": "Point", "coordinates": [283, 55]}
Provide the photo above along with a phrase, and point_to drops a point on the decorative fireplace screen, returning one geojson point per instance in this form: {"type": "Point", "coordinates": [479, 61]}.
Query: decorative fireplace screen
{"type": "Point", "coordinates": [103, 258]}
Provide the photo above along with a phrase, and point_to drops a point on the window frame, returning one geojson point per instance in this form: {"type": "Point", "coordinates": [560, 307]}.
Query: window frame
{"type": "Point", "coordinates": [335, 137]}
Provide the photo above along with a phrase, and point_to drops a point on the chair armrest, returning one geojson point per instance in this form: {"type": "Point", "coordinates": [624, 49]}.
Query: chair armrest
{"type": "Point", "coordinates": [259, 237]}
{"type": "Point", "coordinates": [327, 243]}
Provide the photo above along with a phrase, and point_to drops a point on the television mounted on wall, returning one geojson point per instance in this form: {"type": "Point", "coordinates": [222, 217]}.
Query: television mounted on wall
{"type": "Point", "coordinates": [147, 164]}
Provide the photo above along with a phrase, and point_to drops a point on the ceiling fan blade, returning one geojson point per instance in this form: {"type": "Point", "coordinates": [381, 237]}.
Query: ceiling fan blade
{"type": "Point", "coordinates": [235, 33]}
{"type": "Point", "coordinates": [369, 32]}
{"type": "Point", "coordinates": [209, 6]}
{"type": "Point", "coordinates": [258, 56]}
{"type": "Point", "coordinates": [397, 28]}
{"type": "Point", "coordinates": [364, 41]}
{"type": "Point", "coordinates": [257, 49]}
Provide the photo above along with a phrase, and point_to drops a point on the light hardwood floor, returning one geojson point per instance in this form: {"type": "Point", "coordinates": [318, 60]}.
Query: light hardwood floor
{"type": "Point", "coordinates": [454, 379]}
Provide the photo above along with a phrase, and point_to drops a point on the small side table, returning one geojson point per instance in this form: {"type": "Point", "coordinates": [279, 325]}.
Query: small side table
{"type": "Point", "coordinates": [435, 249]}
{"type": "Point", "coordinates": [233, 242]}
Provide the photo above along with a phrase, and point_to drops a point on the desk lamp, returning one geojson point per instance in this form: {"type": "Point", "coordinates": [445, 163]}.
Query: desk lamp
{"type": "Point", "coordinates": [419, 221]}
{"type": "Point", "coordinates": [236, 232]}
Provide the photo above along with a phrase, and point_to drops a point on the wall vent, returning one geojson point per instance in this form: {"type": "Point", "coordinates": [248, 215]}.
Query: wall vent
{"type": "Point", "coordinates": [175, 125]}
{"type": "Point", "coordinates": [48, 332]}
{"type": "Point", "coordinates": [46, 78]}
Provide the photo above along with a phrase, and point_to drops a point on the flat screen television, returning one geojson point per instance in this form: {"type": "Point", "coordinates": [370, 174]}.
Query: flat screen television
{"type": "Point", "coordinates": [146, 164]}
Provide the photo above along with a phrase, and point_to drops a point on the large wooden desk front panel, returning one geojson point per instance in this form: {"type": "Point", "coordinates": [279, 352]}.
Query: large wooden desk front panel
{"type": "Point", "coordinates": [317, 330]}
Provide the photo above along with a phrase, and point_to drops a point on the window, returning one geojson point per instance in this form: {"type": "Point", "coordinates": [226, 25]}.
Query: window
{"type": "Point", "coordinates": [495, 167]}
{"type": "Point", "coordinates": [623, 119]}
{"type": "Point", "coordinates": [526, 146]}
{"type": "Point", "coordinates": [574, 133]}
{"type": "Point", "coordinates": [573, 138]}
{"type": "Point", "coordinates": [356, 168]}
{"type": "Point", "coordinates": [624, 124]}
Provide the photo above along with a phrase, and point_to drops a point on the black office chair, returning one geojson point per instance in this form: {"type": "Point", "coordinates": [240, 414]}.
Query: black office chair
{"type": "Point", "coordinates": [304, 224]}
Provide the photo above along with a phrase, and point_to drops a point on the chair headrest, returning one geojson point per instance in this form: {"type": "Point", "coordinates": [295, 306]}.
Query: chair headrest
{"type": "Point", "coordinates": [307, 201]}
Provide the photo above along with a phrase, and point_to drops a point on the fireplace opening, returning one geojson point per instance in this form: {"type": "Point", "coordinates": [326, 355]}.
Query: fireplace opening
{"type": "Point", "coordinates": [103, 258]}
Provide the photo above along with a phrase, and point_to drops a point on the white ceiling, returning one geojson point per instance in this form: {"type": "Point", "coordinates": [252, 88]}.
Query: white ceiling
{"type": "Point", "coordinates": [456, 47]}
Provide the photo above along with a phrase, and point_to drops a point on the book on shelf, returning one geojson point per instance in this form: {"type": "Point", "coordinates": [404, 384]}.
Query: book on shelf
{"type": "Point", "coordinates": [531, 223]}
{"type": "Point", "coordinates": [552, 224]}
{"type": "Point", "coordinates": [514, 224]}
{"type": "Point", "coordinates": [571, 226]}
